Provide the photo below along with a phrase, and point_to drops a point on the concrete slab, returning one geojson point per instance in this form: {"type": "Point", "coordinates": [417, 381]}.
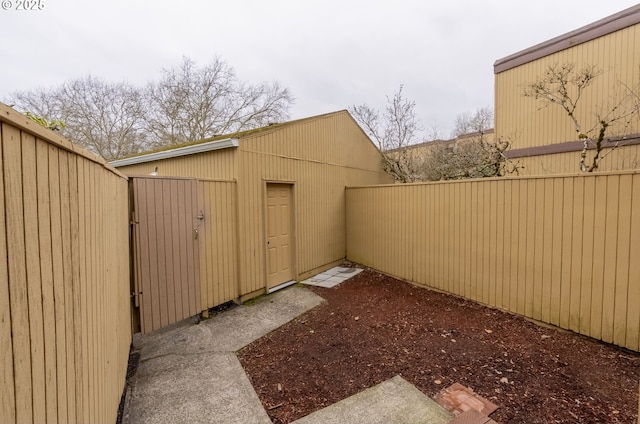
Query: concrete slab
{"type": "Point", "coordinates": [332, 277]}
{"type": "Point", "coordinates": [394, 401]}
{"type": "Point", "coordinates": [194, 388]}
{"type": "Point", "coordinates": [189, 373]}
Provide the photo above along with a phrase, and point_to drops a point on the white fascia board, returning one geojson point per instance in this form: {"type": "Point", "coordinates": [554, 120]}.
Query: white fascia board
{"type": "Point", "coordinates": [181, 151]}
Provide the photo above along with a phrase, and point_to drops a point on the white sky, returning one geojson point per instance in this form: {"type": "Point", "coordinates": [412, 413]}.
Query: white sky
{"type": "Point", "coordinates": [330, 53]}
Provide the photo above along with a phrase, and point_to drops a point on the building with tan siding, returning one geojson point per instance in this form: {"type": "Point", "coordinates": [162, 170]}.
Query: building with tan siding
{"type": "Point", "coordinates": [288, 192]}
{"type": "Point", "coordinates": [544, 138]}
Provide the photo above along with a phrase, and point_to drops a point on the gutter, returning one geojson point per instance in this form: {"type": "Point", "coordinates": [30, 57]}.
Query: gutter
{"type": "Point", "coordinates": [181, 151]}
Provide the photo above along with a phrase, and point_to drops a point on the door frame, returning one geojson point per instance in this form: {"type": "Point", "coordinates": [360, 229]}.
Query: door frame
{"type": "Point", "coordinates": [265, 236]}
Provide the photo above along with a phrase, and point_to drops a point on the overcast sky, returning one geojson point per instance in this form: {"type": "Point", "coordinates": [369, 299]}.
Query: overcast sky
{"type": "Point", "coordinates": [331, 54]}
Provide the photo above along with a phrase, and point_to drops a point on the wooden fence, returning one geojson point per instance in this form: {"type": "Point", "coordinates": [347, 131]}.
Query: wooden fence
{"type": "Point", "coordinates": [559, 249]}
{"type": "Point", "coordinates": [65, 327]}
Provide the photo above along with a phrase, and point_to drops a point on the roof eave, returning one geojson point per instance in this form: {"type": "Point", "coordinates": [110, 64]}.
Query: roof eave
{"type": "Point", "coordinates": [181, 151]}
{"type": "Point", "coordinates": [605, 26]}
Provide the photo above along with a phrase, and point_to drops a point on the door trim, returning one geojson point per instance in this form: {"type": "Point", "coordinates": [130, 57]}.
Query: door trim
{"type": "Point", "coordinates": [294, 232]}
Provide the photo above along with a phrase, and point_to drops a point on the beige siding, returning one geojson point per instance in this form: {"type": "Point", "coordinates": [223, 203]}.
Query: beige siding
{"type": "Point", "coordinates": [527, 123]}
{"type": "Point", "coordinates": [556, 249]}
{"type": "Point", "coordinates": [218, 242]}
{"type": "Point", "coordinates": [64, 279]}
{"type": "Point", "coordinates": [320, 157]}
{"type": "Point", "coordinates": [622, 158]}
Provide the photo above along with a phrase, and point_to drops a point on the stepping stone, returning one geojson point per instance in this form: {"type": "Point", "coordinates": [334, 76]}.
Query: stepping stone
{"type": "Point", "coordinates": [461, 400]}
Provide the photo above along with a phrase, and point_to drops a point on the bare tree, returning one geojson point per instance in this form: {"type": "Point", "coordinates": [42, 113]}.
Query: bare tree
{"type": "Point", "coordinates": [115, 120]}
{"type": "Point", "coordinates": [478, 122]}
{"type": "Point", "coordinates": [191, 103]}
{"type": "Point", "coordinates": [105, 118]}
{"type": "Point", "coordinates": [470, 156]}
{"type": "Point", "coordinates": [564, 85]}
{"type": "Point", "coordinates": [393, 132]}
{"type": "Point", "coordinates": [471, 153]}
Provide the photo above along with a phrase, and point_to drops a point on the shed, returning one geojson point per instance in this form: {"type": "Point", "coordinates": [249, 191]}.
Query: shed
{"type": "Point", "coordinates": [544, 139]}
{"type": "Point", "coordinates": [271, 203]}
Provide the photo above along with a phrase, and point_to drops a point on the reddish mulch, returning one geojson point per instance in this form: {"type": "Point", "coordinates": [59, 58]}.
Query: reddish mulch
{"type": "Point", "coordinates": [374, 327]}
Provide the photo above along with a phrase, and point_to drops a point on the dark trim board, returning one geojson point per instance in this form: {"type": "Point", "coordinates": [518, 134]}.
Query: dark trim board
{"type": "Point", "coordinates": [569, 146]}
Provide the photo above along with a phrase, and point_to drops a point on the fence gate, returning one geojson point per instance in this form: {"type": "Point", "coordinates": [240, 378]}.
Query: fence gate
{"type": "Point", "coordinates": [166, 222]}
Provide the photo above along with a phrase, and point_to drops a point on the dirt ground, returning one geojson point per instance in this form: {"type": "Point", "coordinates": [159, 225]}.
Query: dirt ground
{"type": "Point", "coordinates": [374, 327]}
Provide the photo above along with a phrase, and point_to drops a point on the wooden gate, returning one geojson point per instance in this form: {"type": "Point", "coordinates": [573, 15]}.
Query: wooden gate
{"type": "Point", "coordinates": [166, 223]}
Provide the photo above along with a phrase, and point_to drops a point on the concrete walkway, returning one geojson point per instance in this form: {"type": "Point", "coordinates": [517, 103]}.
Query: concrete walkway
{"type": "Point", "coordinates": [394, 401]}
{"type": "Point", "coordinates": [189, 373]}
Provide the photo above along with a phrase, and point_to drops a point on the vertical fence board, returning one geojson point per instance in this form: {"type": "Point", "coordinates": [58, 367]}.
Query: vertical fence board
{"type": "Point", "coordinates": [556, 264]}
{"type": "Point", "coordinates": [173, 288]}
{"type": "Point", "coordinates": [76, 283]}
{"type": "Point", "coordinates": [587, 256]}
{"type": "Point", "coordinates": [600, 214]}
{"type": "Point", "coordinates": [34, 287]}
{"type": "Point", "coordinates": [576, 255]}
{"type": "Point", "coordinates": [58, 282]}
{"type": "Point", "coordinates": [547, 252]}
{"type": "Point", "coordinates": [622, 261]}
{"type": "Point", "coordinates": [610, 254]}
{"type": "Point", "coordinates": [633, 311]}
{"type": "Point", "coordinates": [539, 249]}
{"type": "Point", "coordinates": [46, 275]}
{"type": "Point", "coordinates": [7, 389]}
{"type": "Point", "coordinates": [567, 243]}
{"type": "Point", "coordinates": [530, 226]}
{"type": "Point", "coordinates": [19, 302]}
{"type": "Point", "coordinates": [67, 274]}
{"type": "Point", "coordinates": [83, 278]}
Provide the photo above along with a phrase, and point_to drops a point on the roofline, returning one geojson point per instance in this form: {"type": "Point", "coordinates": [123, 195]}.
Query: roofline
{"type": "Point", "coordinates": [180, 151]}
{"type": "Point", "coordinates": [608, 25]}
{"type": "Point", "coordinates": [440, 141]}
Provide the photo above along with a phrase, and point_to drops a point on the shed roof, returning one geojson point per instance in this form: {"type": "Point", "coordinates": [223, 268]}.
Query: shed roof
{"type": "Point", "coordinates": [608, 25]}
{"type": "Point", "coordinates": [217, 142]}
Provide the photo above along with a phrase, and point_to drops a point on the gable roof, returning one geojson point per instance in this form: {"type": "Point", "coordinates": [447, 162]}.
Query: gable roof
{"type": "Point", "coordinates": [217, 142]}
{"type": "Point", "coordinates": [608, 25]}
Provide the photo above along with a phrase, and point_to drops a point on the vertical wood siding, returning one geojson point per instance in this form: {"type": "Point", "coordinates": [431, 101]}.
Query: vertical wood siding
{"type": "Point", "coordinates": [319, 157]}
{"type": "Point", "coordinates": [218, 242]}
{"type": "Point", "coordinates": [527, 122]}
{"type": "Point", "coordinates": [556, 249]}
{"type": "Point", "coordinates": [620, 159]}
{"type": "Point", "coordinates": [65, 324]}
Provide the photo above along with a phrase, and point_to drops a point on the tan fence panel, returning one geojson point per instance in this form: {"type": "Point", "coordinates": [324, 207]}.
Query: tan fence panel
{"type": "Point", "coordinates": [166, 234]}
{"type": "Point", "coordinates": [65, 326]}
{"type": "Point", "coordinates": [557, 249]}
{"type": "Point", "coordinates": [217, 201]}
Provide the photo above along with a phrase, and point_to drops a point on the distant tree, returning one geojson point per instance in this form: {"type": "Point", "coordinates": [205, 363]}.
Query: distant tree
{"type": "Point", "coordinates": [564, 86]}
{"type": "Point", "coordinates": [478, 122]}
{"type": "Point", "coordinates": [395, 130]}
{"type": "Point", "coordinates": [471, 153]}
{"type": "Point", "coordinates": [187, 103]}
{"type": "Point", "coordinates": [192, 103]}
{"type": "Point", "coordinates": [471, 156]}
{"type": "Point", "coordinates": [105, 118]}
